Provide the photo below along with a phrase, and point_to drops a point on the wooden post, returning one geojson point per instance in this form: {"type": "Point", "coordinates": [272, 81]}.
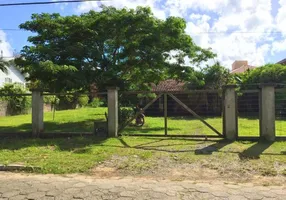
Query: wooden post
{"type": "Point", "coordinates": [165, 113]}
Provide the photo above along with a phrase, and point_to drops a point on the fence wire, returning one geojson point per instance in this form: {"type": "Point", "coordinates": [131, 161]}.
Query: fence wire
{"type": "Point", "coordinates": [207, 105]}
{"type": "Point", "coordinates": [280, 112]}
{"type": "Point", "coordinates": [131, 103]}
{"type": "Point", "coordinates": [178, 121]}
{"type": "Point", "coordinates": [248, 113]}
{"type": "Point", "coordinates": [15, 113]}
{"type": "Point", "coordinates": [73, 113]}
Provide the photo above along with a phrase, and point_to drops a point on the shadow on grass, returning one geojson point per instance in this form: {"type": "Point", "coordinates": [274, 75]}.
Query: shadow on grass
{"type": "Point", "coordinates": [82, 145]}
{"type": "Point", "coordinates": [134, 130]}
{"type": "Point", "coordinates": [192, 118]}
{"type": "Point", "coordinates": [76, 144]}
{"type": "Point", "coordinates": [255, 150]}
{"type": "Point", "coordinates": [208, 150]}
{"type": "Point", "coordinates": [80, 126]}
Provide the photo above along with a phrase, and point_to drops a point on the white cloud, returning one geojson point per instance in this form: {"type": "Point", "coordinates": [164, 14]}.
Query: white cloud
{"type": "Point", "coordinates": [245, 22]}
{"type": "Point", "coordinates": [278, 46]}
{"type": "Point", "coordinates": [5, 47]}
{"type": "Point", "coordinates": [198, 29]}
{"type": "Point", "coordinates": [86, 6]}
{"type": "Point", "coordinates": [243, 25]}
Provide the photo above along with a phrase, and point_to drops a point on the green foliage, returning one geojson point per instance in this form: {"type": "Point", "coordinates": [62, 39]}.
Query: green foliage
{"type": "Point", "coordinates": [72, 52]}
{"type": "Point", "coordinates": [3, 65]}
{"type": "Point", "coordinates": [96, 102]}
{"type": "Point", "coordinates": [83, 101]}
{"type": "Point", "coordinates": [51, 99]}
{"type": "Point", "coordinates": [17, 104]}
{"type": "Point", "coordinates": [124, 114]}
{"type": "Point", "coordinates": [210, 77]}
{"type": "Point", "coordinates": [67, 102]}
{"type": "Point", "coordinates": [270, 73]}
{"type": "Point", "coordinates": [147, 95]}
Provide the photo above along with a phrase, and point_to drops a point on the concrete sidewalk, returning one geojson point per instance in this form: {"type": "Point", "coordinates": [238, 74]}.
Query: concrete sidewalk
{"type": "Point", "coordinates": [15, 186]}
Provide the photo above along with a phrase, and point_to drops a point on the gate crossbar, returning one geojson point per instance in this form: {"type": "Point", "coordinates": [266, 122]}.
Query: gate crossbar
{"type": "Point", "coordinates": [195, 114]}
{"type": "Point", "coordinates": [132, 118]}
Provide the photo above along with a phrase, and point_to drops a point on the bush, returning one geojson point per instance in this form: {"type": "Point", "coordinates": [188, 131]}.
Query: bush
{"type": "Point", "coordinates": [96, 102]}
{"type": "Point", "coordinates": [83, 101]}
{"type": "Point", "coordinates": [16, 104]}
{"type": "Point", "coordinates": [67, 102]}
{"type": "Point", "coordinates": [124, 114]}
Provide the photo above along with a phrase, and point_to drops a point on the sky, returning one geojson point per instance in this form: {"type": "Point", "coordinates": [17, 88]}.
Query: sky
{"type": "Point", "coordinates": [252, 30]}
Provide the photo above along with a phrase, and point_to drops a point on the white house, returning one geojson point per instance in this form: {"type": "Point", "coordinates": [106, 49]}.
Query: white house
{"type": "Point", "coordinates": [13, 76]}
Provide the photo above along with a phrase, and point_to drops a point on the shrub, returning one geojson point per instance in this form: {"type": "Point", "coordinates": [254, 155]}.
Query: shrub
{"type": "Point", "coordinates": [67, 102]}
{"type": "Point", "coordinates": [124, 114]}
{"type": "Point", "coordinates": [96, 102]}
{"type": "Point", "coordinates": [83, 101]}
{"type": "Point", "coordinates": [16, 104]}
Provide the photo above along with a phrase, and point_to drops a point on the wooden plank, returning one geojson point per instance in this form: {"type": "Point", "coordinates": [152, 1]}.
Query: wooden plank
{"type": "Point", "coordinates": [132, 118]}
{"type": "Point", "coordinates": [195, 114]}
{"type": "Point", "coordinates": [165, 113]}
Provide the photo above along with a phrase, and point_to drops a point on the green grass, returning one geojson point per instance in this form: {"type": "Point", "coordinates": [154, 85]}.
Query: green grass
{"type": "Point", "coordinates": [81, 120]}
{"type": "Point", "coordinates": [137, 154]}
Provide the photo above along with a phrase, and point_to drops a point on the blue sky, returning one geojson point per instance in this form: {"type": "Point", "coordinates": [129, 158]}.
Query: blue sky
{"type": "Point", "coordinates": [235, 30]}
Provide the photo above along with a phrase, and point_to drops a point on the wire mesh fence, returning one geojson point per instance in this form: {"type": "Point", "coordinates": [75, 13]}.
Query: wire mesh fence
{"type": "Point", "coordinates": [195, 113]}
{"type": "Point", "coordinates": [15, 113]}
{"type": "Point", "coordinates": [168, 113]}
{"type": "Point", "coordinates": [248, 112]}
{"type": "Point", "coordinates": [280, 112]}
{"type": "Point", "coordinates": [73, 112]}
{"type": "Point", "coordinates": [150, 121]}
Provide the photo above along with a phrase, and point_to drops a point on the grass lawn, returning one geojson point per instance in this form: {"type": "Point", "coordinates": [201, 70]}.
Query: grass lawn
{"type": "Point", "coordinates": [137, 155]}
{"type": "Point", "coordinates": [81, 120]}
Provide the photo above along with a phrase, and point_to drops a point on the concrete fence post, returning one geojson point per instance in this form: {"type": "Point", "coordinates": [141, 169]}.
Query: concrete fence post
{"type": "Point", "coordinates": [230, 127]}
{"type": "Point", "coordinates": [37, 113]}
{"type": "Point", "coordinates": [112, 93]}
{"type": "Point", "coordinates": [267, 112]}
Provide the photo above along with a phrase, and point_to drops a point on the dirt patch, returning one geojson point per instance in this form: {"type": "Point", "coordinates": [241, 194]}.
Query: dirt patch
{"type": "Point", "coordinates": [172, 169]}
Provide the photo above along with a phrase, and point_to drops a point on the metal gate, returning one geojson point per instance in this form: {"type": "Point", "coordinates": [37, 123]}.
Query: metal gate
{"type": "Point", "coordinates": [173, 113]}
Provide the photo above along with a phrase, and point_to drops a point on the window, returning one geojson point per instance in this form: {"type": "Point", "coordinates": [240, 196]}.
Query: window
{"type": "Point", "coordinates": [8, 80]}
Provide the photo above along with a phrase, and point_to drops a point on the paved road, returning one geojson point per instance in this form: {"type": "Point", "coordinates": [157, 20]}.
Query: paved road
{"type": "Point", "coordinates": [49, 187]}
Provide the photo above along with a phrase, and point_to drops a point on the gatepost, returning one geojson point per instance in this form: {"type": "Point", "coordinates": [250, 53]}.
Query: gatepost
{"type": "Point", "coordinates": [37, 113]}
{"type": "Point", "coordinates": [112, 93]}
{"type": "Point", "coordinates": [230, 127]}
{"type": "Point", "coordinates": [267, 112]}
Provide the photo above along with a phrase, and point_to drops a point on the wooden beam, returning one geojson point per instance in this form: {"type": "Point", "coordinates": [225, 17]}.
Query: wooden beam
{"type": "Point", "coordinates": [195, 114]}
{"type": "Point", "coordinates": [132, 118]}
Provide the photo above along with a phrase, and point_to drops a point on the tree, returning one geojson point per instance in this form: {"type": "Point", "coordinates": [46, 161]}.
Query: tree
{"type": "Point", "coordinates": [211, 77]}
{"type": "Point", "coordinates": [128, 48]}
{"type": "Point", "coordinates": [3, 65]}
{"type": "Point", "coordinates": [269, 73]}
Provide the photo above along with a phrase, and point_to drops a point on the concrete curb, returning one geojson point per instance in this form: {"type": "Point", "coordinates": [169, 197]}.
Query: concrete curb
{"type": "Point", "coordinates": [15, 167]}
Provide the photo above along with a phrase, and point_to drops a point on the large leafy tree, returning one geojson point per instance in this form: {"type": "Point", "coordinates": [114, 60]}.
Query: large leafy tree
{"type": "Point", "coordinates": [211, 77]}
{"type": "Point", "coordinates": [269, 73]}
{"type": "Point", "coordinates": [126, 48]}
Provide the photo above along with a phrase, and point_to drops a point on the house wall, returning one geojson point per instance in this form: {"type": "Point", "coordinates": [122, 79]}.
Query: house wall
{"type": "Point", "coordinates": [14, 74]}
{"type": "Point", "coordinates": [238, 63]}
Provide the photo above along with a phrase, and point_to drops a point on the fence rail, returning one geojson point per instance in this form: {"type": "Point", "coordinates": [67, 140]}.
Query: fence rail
{"type": "Point", "coordinates": [167, 113]}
